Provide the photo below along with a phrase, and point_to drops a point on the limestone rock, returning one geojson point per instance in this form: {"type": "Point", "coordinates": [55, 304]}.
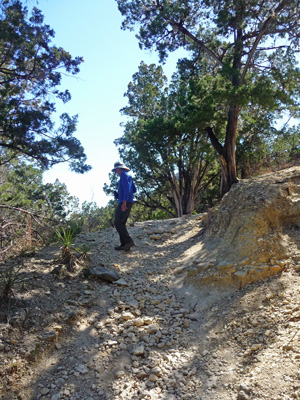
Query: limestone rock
{"type": "Point", "coordinates": [250, 233]}
{"type": "Point", "coordinates": [138, 350]}
{"type": "Point", "coordinates": [121, 282]}
{"type": "Point", "coordinates": [104, 273]}
{"type": "Point", "coordinates": [152, 329]}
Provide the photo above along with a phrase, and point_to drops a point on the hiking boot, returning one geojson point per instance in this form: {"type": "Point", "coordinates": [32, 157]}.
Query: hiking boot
{"type": "Point", "coordinates": [119, 247]}
{"type": "Point", "coordinates": [127, 246]}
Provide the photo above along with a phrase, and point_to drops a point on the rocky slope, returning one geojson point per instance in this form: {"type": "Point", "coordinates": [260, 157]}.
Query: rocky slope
{"type": "Point", "coordinates": [190, 318]}
{"type": "Point", "coordinates": [252, 234]}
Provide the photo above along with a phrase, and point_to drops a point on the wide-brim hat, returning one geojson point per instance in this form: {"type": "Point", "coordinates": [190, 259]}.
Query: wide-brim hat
{"type": "Point", "coordinates": [119, 165]}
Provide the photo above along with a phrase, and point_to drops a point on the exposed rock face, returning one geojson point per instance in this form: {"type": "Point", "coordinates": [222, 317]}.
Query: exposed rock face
{"type": "Point", "coordinates": [252, 232]}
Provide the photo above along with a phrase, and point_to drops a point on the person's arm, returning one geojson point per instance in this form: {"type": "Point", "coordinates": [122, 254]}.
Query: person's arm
{"type": "Point", "coordinates": [125, 186]}
{"type": "Point", "coordinates": [124, 205]}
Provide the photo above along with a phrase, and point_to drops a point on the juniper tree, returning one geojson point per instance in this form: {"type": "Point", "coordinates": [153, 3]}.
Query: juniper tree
{"type": "Point", "coordinates": [31, 70]}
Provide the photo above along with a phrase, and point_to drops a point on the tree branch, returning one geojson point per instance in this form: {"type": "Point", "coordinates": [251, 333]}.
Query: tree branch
{"type": "Point", "coordinates": [260, 35]}
{"type": "Point", "coordinates": [215, 142]}
{"type": "Point", "coordinates": [33, 215]}
{"type": "Point", "coordinates": [196, 40]}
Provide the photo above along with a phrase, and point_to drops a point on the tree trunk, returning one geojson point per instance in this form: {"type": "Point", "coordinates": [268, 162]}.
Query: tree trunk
{"type": "Point", "coordinates": [190, 180]}
{"type": "Point", "coordinates": [190, 205]}
{"type": "Point", "coordinates": [227, 152]}
{"type": "Point", "coordinates": [175, 185]}
{"type": "Point", "coordinates": [178, 203]}
{"type": "Point", "coordinates": [228, 165]}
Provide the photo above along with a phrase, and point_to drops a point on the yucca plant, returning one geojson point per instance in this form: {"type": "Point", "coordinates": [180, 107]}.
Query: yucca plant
{"type": "Point", "coordinates": [85, 252]}
{"type": "Point", "coordinates": [8, 279]}
{"type": "Point", "coordinates": [66, 237]}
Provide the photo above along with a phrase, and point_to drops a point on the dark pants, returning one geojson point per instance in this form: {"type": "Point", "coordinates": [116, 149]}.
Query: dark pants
{"type": "Point", "coordinates": [120, 223]}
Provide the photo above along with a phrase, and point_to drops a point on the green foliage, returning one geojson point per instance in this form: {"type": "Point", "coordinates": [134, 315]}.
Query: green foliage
{"type": "Point", "coordinates": [286, 147]}
{"type": "Point", "coordinates": [76, 226]}
{"type": "Point", "coordinates": [31, 69]}
{"type": "Point", "coordinates": [91, 218]}
{"type": "Point", "coordinates": [20, 183]}
{"type": "Point", "coordinates": [66, 237]}
{"type": "Point", "coordinates": [22, 186]}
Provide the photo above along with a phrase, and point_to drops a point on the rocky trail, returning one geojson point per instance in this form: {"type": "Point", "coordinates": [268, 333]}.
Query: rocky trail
{"type": "Point", "coordinates": [153, 334]}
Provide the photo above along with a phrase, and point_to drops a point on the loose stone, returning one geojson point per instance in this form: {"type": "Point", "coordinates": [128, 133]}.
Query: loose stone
{"type": "Point", "coordinates": [139, 350]}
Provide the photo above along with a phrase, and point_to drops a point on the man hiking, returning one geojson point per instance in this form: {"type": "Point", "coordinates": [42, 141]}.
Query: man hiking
{"type": "Point", "coordinates": [126, 189]}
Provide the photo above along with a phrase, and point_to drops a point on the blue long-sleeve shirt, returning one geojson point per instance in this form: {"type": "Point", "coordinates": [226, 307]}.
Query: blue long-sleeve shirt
{"type": "Point", "coordinates": [126, 187]}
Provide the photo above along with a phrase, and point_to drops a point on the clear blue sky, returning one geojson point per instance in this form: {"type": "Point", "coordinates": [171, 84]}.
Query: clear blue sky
{"type": "Point", "coordinates": [91, 29]}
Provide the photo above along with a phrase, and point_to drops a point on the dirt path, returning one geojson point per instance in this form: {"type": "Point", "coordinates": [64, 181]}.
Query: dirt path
{"type": "Point", "coordinates": [150, 337]}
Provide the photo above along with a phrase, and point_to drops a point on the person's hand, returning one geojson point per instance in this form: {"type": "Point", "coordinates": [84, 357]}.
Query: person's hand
{"type": "Point", "coordinates": [124, 206]}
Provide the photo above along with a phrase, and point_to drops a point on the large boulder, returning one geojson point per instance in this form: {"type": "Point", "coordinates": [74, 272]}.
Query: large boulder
{"type": "Point", "coordinates": [252, 234]}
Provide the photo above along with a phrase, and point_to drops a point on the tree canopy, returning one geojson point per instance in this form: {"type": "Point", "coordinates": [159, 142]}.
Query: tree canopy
{"type": "Point", "coordinates": [31, 70]}
{"type": "Point", "coordinates": [249, 46]}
